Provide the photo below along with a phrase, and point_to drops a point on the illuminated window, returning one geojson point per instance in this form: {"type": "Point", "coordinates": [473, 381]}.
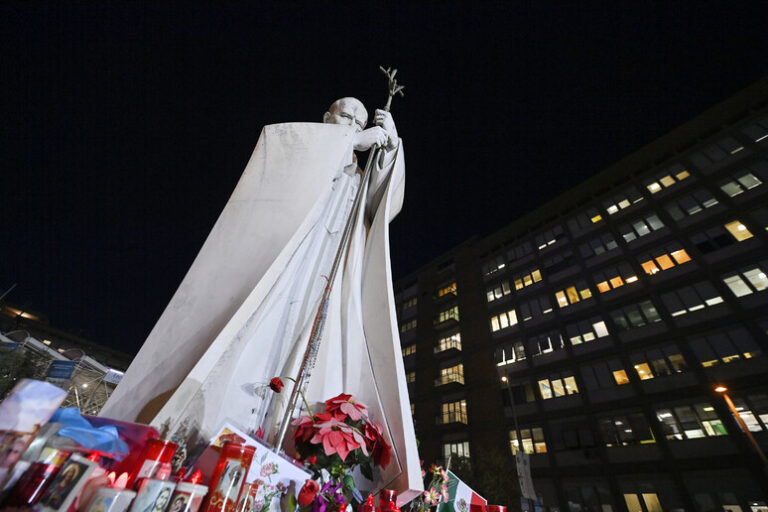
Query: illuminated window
{"type": "Point", "coordinates": [407, 326]}
{"type": "Point", "coordinates": [622, 201]}
{"type": "Point", "coordinates": [535, 308]}
{"type": "Point", "coordinates": [640, 228]}
{"type": "Point", "coordinates": [410, 377]}
{"type": "Point", "coordinates": [413, 410]}
{"type": "Point", "coordinates": [620, 376]}
{"type": "Point", "coordinates": [545, 343]}
{"type": "Point", "coordinates": [503, 320]}
{"type": "Point", "coordinates": [635, 315]}
{"type": "Point", "coordinates": [557, 386]}
{"type": "Point", "coordinates": [625, 430]}
{"type": "Point", "coordinates": [447, 314]}
{"type": "Point", "coordinates": [584, 221]}
{"type": "Point", "coordinates": [451, 374]}
{"type": "Point", "coordinates": [643, 371]}
{"type": "Point", "coordinates": [614, 277]}
{"type": "Point", "coordinates": [445, 290]}
{"type": "Point", "coordinates": [409, 349]}
{"type": "Point", "coordinates": [664, 259]}
{"type": "Point", "coordinates": [572, 295]}
{"type": "Point", "coordinates": [674, 175]}
{"type": "Point", "coordinates": [604, 375]}
{"type": "Point", "coordinates": [754, 411]}
{"type": "Point", "coordinates": [690, 422]}
{"type": "Point", "coordinates": [586, 331]}
{"type": "Point", "coordinates": [498, 291]}
{"type": "Point", "coordinates": [527, 279]}
{"type": "Point", "coordinates": [691, 298]}
{"type": "Point", "coordinates": [509, 353]}
{"type": "Point", "coordinates": [738, 230]}
{"type": "Point", "coordinates": [731, 345]}
{"type": "Point", "coordinates": [658, 362]}
{"type": "Point", "coordinates": [47, 342]}
{"type": "Point", "coordinates": [456, 450]}
{"type": "Point", "coordinates": [454, 412]}
{"type": "Point", "coordinates": [449, 342]}
{"type": "Point", "coordinates": [743, 181]}
{"type": "Point", "coordinates": [532, 439]}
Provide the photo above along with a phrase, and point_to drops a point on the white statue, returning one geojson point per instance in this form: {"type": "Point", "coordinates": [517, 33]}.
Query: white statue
{"type": "Point", "coordinates": [243, 311]}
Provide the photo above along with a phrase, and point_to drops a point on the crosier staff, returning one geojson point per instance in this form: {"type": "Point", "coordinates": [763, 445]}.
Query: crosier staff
{"type": "Point", "coordinates": [315, 335]}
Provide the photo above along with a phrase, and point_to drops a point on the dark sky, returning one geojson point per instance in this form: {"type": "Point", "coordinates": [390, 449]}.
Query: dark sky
{"type": "Point", "coordinates": [125, 126]}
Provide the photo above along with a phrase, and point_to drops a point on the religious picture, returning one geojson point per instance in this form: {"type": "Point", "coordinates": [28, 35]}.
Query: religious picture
{"type": "Point", "coordinates": [231, 480]}
{"type": "Point", "coordinates": [153, 496]}
{"type": "Point", "coordinates": [67, 484]}
{"type": "Point", "coordinates": [12, 447]}
{"type": "Point", "coordinates": [179, 503]}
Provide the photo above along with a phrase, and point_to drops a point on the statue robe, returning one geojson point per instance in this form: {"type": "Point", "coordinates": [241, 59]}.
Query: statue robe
{"type": "Point", "coordinates": [243, 312]}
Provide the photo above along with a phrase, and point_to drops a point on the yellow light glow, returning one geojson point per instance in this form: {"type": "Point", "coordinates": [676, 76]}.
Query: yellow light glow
{"type": "Point", "coordinates": [721, 389]}
{"type": "Point", "coordinates": [504, 379]}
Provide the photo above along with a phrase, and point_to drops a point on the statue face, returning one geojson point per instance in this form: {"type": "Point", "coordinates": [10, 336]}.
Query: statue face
{"type": "Point", "coordinates": [347, 111]}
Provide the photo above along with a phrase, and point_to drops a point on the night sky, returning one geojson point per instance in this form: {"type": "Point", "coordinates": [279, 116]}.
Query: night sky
{"type": "Point", "coordinates": [125, 126]}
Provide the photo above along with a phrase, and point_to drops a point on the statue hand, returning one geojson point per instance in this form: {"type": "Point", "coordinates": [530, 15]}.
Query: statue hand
{"type": "Point", "coordinates": [372, 136]}
{"type": "Point", "coordinates": [384, 119]}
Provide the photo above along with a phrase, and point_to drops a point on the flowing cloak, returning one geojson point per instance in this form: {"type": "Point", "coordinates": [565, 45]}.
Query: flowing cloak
{"type": "Point", "coordinates": [243, 312]}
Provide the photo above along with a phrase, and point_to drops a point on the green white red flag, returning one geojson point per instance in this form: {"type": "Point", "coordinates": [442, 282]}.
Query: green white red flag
{"type": "Point", "coordinates": [461, 496]}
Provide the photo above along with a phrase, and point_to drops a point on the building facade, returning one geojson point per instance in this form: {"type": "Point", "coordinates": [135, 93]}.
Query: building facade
{"type": "Point", "coordinates": [601, 323]}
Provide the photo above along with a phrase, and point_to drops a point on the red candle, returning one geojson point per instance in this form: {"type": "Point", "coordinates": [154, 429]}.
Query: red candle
{"type": "Point", "coordinates": [36, 479]}
{"type": "Point", "coordinates": [228, 477]}
{"type": "Point", "coordinates": [156, 452]}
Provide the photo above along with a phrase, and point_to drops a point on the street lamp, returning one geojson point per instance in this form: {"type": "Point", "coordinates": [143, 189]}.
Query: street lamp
{"type": "Point", "coordinates": [722, 390]}
{"type": "Point", "coordinates": [505, 380]}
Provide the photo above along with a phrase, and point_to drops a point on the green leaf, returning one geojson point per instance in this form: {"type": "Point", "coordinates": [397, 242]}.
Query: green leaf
{"type": "Point", "coordinates": [292, 503]}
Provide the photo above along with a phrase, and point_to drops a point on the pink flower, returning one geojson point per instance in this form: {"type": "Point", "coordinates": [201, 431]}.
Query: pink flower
{"type": "Point", "coordinates": [431, 497]}
{"type": "Point", "coordinates": [444, 475]}
{"type": "Point", "coordinates": [338, 437]}
{"type": "Point", "coordinates": [444, 492]}
{"type": "Point", "coordinates": [306, 426]}
{"type": "Point", "coordinates": [344, 405]}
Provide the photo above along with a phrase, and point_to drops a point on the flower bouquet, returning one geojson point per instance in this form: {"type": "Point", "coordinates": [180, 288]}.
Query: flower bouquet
{"type": "Point", "coordinates": [436, 491]}
{"type": "Point", "coordinates": [333, 443]}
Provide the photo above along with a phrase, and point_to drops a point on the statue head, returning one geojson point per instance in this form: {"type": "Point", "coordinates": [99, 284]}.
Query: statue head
{"type": "Point", "coordinates": [348, 111]}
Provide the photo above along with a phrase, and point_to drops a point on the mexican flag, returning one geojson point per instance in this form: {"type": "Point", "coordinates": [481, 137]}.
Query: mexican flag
{"type": "Point", "coordinates": [461, 496]}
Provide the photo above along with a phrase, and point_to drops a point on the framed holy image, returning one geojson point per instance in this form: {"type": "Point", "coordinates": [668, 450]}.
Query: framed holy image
{"type": "Point", "coordinates": [67, 484]}
{"type": "Point", "coordinates": [154, 496]}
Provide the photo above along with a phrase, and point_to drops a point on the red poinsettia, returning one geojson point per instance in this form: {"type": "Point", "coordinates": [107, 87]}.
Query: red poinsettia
{"type": "Point", "coordinates": [338, 437]}
{"type": "Point", "coordinates": [380, 450]}
{"type": "Point", "coordinates": [305, 426]}
{"type": "Point", "coordinates": [276, 384]}
{"type": "Point", "coordinates": [344, 405]}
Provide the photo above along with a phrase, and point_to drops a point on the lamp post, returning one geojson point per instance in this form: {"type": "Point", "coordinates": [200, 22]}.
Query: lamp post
{"type": "Point", "coordinates": [518, 435]}
{"type": "Point", "coordinates": [722, 390]}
